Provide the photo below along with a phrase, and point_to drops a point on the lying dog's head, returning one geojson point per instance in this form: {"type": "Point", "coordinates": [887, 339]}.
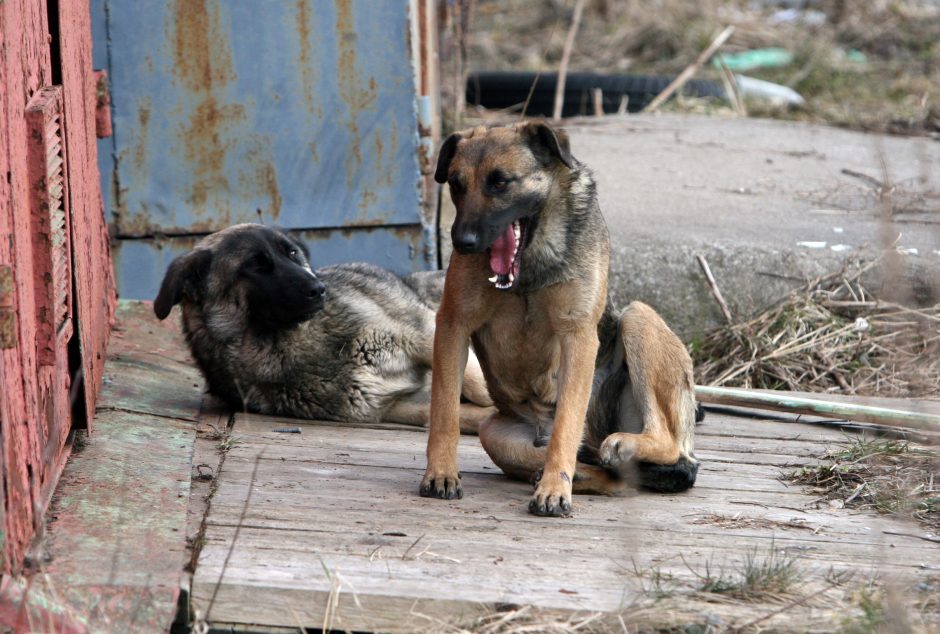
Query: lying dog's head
{"type": "Point", "coordinates": [259, 272]}
{"type": "Point", "coordinates": [500, 179]}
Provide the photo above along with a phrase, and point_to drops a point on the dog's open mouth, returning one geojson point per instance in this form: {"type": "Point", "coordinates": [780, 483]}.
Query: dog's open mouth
{"type": "Point", "coordinates": [505, 255]}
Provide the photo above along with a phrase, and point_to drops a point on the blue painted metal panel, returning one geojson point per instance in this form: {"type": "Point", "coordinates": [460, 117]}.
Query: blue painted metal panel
{"type": "Point", "coordinates": [303, 110]}
{"type": "Point", "coordinates": [300, 114]}
{"type": "Point", "coordinates": [144, 261]}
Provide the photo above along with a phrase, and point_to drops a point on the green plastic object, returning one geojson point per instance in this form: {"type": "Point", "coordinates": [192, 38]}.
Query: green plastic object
{"type": "Point", "coordinates": [856, 56]}
{"type": "Point", "coordinates": [756, 58]}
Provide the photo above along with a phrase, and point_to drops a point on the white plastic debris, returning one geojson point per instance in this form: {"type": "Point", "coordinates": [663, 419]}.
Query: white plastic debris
{"type": "Point", "coordinates": [839, 248]}
{"type": "Point", "coordinates": [837, 229]}
{"type": "Point", "coordinates": [907, 250]}
{"type": "Point", "coordinates": [811, 245]}
{"type": "Point", "coordinates": [775, 94]}
{"type": "Point", "coordinates": [861, 324]}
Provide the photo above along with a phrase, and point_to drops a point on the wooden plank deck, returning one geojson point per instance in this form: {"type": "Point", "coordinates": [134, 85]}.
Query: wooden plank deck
{"type": "Point", "coordinates": [326, 527]}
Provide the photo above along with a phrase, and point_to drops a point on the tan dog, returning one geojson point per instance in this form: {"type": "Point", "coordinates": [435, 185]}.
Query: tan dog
{"type": "Point", "coordinates": [528, 285]}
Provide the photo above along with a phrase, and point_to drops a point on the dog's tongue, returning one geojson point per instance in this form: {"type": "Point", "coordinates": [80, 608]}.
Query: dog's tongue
{"type": "Point", "coordinates": [502, 251]}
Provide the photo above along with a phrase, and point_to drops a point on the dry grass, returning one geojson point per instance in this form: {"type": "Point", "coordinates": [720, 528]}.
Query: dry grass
{"type": "Point", "coordinates": [739, 520]}
{"type": "Point", "coordinates": [888, 476]}
{"type": "Point", "coordinates": [770, 576]}
{"type": "Point", "coordinates": [829, 336]}
{"type": "Point", "coordinates": [895, 89]}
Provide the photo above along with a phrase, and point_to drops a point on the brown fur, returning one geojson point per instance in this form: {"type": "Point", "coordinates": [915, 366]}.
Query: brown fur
{"type": "Point", "coordinates": [553, 352]}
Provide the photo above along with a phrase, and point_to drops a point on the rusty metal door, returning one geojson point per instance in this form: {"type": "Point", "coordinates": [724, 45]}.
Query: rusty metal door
{"type": "Point", "coordinates": [301, 114]}
{"type": "Point", "coordinates": [56, 294]}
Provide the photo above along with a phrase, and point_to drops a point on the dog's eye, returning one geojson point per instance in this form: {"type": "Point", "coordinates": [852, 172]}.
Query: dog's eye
{"type": "Point", "coordinates": [497, 182]}
{"type": "Point", "coordinates": [454, 181]}
{"type": "Point", "coordinates": [292, 253]}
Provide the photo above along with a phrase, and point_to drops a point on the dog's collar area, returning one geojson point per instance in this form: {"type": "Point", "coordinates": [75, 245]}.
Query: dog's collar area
{"type": "Point", "coordinates": [505, 255]}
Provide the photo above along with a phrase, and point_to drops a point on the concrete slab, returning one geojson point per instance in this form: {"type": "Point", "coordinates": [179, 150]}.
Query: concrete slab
{"type": "Point", "coordinates": [768, 203]}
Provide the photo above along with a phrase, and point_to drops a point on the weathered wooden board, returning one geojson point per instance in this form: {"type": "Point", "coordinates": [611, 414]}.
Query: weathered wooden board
{"type": "Point", "coordinates": [326, 527]}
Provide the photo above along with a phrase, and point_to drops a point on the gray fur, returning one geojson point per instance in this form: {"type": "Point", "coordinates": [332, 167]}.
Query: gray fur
{"type": "Point", "coordinates": [366, 349]}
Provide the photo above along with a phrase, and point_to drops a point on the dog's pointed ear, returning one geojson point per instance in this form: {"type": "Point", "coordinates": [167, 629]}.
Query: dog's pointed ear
{"type": "Point", "coordinates": [184, 275]}
{"type": "Point", "coordinates": [544, 137]}
{"type": "Point", "coordinates": [445, 156]}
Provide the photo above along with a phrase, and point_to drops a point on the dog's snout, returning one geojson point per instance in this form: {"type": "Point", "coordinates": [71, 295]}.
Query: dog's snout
{"type": "Point", "coordinates": [316, 289]}
{"type": "Point", "coordinates": [466, 241]}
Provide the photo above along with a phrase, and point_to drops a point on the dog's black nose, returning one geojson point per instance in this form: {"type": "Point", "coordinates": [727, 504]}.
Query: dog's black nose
{"type": "Point", "coordinates": [467, 242]}
{"type": "Point", "coordinates": [317, 289]}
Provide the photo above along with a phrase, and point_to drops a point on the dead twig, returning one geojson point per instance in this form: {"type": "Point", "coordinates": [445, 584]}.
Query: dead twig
{"type": "Point", "coordinates": [731, 88]}
{"type": "Point", "coordinates": [690, 70]}
{"type": "Point", "coordinates": [713, 286]}
{"type": "Point", "coordinates": [869, 180]}
{"type": "Point", "coordinates": [927, 538]}
{"type": "Point", "coordinates": [565, 57]}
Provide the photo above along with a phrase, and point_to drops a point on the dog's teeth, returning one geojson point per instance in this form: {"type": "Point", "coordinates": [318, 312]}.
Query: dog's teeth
{"type": "Point", "coordinates": [515, 230]}
{"type": "Point", "coordinates": [512, 278]}
{"type": "Point", "coordinates": [493, 279]}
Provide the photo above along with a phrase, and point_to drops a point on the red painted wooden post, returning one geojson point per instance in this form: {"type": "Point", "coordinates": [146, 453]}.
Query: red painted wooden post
{"type": "Point", "coordinates": [27, 67]}
{"type": "Point", "coordinates": [53, 239]}
{"type": "Point", "coordinates": [94, 277]}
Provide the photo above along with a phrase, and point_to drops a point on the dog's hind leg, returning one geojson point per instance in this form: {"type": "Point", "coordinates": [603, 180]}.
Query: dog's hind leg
{"type": "Point", "coordinates": [415, 410]}
{"type": "Point", "coordinates": [662, 393]}
{"type": "Point", "coordinates": [515, 448]}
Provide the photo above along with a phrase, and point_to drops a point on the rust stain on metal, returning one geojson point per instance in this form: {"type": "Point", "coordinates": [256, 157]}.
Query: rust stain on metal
{"type": "Point", "coordinates": [204, 66]}
{"type": "Point", "coordinates": [386, 176]}
{"type": "Point", "coordinates": [366, 200]}
{"type": "Point", "coordinates": [270, 181]}
{"type": "Point", "coordinates": [351, 89]}
{"type": "Point", "coordinates": [307, 68]}
{"type": "Point", "coordinates": [143, 125]}
{"type": "Point", "coordinates": [201, 51]}
{"type": "Point", "coordinates": [379, 147]}
{"type": "Point", "coordinates": [264, 178]}
{"type": "Point", "coordinates": [259, 174]}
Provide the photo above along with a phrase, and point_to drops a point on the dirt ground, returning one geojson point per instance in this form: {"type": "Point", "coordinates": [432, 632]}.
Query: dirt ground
{"type": "Point", "coordinates": [872, 65]}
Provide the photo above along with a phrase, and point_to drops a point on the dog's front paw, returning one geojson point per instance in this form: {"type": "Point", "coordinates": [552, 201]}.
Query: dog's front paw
{"type": "Point", "coordinates": [617, 450]}
{"type": "Point", "coordinates": [443, 484]}
{"type": "Point", "coordinates": [552, 495]}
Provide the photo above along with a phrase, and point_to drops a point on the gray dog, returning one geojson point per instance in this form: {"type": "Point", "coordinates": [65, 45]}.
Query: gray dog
{"type": "Point", "coordinates": [351, 342]}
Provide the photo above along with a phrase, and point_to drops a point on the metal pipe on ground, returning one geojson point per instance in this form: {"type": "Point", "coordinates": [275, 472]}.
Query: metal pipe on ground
{"type": "Point", "coordinates": [752, 399]}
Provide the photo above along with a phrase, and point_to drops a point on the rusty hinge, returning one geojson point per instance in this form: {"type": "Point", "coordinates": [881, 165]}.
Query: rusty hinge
{"type": "Point", "coordinates": [7, 313]}
{"type": "Point", "coordinates": [102, 105]}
